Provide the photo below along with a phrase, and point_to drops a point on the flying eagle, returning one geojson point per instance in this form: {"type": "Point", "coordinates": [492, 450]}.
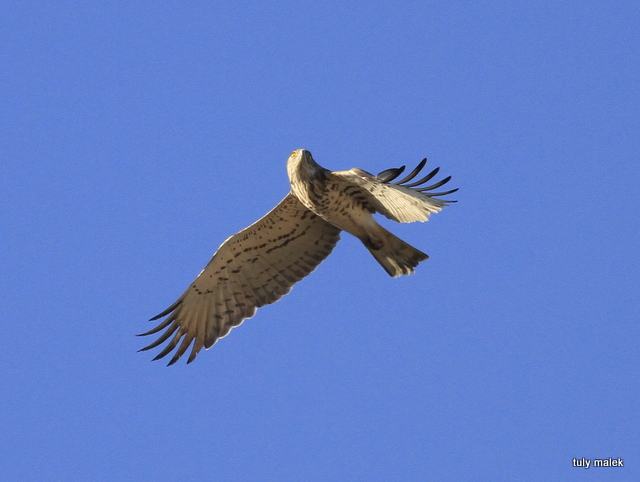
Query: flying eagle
{"type": "Point", "coordinates": [260, 264]}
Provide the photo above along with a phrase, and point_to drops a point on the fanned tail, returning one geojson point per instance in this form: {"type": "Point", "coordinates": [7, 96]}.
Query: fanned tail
{"type": "Point", "coordinates": [394, 255]}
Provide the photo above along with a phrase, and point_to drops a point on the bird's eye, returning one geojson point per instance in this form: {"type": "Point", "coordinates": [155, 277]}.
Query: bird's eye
{"type": "Point", "coordinates": [293, 153]}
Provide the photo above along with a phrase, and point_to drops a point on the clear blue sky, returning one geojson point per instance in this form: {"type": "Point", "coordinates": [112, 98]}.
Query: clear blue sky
{"type": "Point", "coordinates": [136, 137]}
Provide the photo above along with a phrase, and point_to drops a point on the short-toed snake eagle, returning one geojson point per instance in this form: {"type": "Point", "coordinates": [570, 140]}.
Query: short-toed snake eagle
{"type": "Point", "coordinates": [261, 263]}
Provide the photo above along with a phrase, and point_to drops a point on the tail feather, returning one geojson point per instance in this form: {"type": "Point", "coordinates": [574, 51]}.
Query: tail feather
{"type": "Point", "coordinates": [394, 255]}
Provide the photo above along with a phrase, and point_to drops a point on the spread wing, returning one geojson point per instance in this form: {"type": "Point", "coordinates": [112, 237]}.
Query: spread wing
{"type": "Point", "coordinates": [252, 268]}
{"type": "Point", "coordinates": [400, 201]}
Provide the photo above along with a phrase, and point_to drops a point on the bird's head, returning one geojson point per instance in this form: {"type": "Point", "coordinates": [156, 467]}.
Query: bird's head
{"type": "Point", "coordinates": [301, 165]}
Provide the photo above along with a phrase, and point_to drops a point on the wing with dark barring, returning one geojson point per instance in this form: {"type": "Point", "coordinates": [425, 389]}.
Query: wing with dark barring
{"type": "Point", "coordinates": [252, 268]}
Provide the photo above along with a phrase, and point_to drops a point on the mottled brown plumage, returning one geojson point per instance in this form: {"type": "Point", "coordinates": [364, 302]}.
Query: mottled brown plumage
{"type": "Point", "coordinates": [261, 263]}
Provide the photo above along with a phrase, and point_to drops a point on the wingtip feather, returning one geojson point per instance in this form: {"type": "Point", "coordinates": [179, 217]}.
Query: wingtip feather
{"type": "Point", "coordinates": [413, 173]}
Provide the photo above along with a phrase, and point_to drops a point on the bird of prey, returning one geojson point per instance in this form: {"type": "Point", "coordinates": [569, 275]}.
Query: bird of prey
{"type": "Point", "coordinates": [260, 264]}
